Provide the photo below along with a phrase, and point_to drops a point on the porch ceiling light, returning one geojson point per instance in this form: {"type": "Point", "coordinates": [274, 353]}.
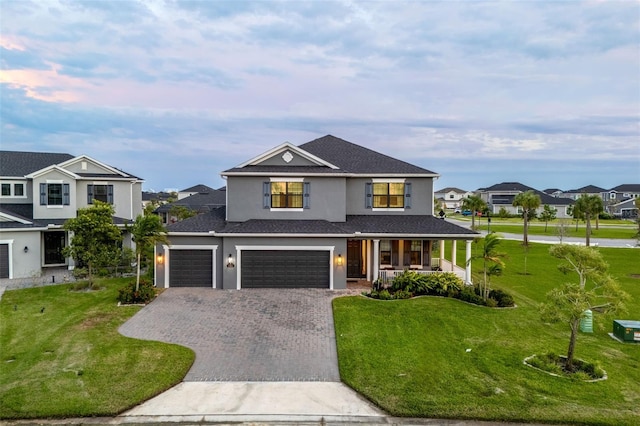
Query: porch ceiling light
{"type": "Point", "coordinates": [339, 260]}
{"type": "Point", "coordinates": [230, 263]}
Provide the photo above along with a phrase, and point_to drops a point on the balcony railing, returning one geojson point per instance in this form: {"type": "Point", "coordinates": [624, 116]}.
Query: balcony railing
{"type": "Point", "coordinates": [385, 276]}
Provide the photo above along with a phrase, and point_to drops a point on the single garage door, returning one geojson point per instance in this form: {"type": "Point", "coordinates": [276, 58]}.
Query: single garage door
{"type": "Point", "coordinates": [285, 268]}
{"type": "Point", "coordinates": [4, 260]}
{"type": "Point", "coordinates": [190, 268]}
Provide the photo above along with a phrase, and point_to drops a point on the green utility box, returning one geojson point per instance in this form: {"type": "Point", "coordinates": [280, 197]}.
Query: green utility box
{"type": "Point", "coordinates": [627, 331]}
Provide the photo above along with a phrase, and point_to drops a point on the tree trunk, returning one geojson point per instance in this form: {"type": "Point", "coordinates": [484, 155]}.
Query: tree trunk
{"type": "Point", "coordinates": [526, 229]}
{"type": "Point", "coordinates": [572, 344]}
{"type": "Point", "coordinates": [138, 273]}
{"type": "Point", "coordinates": [587, 217]}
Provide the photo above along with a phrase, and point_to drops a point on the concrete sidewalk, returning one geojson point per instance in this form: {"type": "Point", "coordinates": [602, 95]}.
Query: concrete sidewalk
{"type": "Point", "coordinates": [230, 402]}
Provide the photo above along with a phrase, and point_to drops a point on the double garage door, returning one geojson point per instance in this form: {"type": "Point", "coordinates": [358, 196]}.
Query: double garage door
{"type": "Point", "coordinates": [258, 268]}
{"type": "Point", "coordinates": [285, 269]}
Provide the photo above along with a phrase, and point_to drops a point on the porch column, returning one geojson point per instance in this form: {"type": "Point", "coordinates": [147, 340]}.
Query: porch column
{"type": "Point", "coordinates": [454, 247]}
{"type": "Point", "coordinates": [441, 254]}
{"type": "Point", "coordinates": [376, 259]}
{"type": "Point", "coordinates": [369, 268]}
{"type": "Point", "coordinates": [467, 271]}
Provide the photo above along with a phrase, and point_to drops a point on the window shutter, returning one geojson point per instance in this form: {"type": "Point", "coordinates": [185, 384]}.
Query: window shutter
{"type": "Point", "coordinates": [266, 199]}
{"type": "Point", "coordinates": [110, 194]}
{"type": "Point", "coordinates": [43, 194]}
{"type": "Point", "coordinates": [66, 199]}
{"type": "Point", "coordinates": [89, 194]}
{"type": "Point", "coordinates": [306, 197]}
{"type": "Point", "coordinates": [407, 195]}
{"type": "Point", "coordinates": [368, 199]}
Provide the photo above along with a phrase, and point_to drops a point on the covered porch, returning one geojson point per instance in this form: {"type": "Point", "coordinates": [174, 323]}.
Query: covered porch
{"type": "Point", "coordinates": [384, 259]}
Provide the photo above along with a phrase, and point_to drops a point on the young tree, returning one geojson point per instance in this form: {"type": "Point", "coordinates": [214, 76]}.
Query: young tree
{"type": "Point", "coordinates": [474, 204]}
{"type": "Point", "coordinates": [95, 237]}
{"type": "Point", "coordinates": [588, 206]}
{"type": "Point", "coordinates": [594, 289]}
{"type": "Point", "coordinates": [548, 214]}
{"type": "Point", "coordinates": [146, 231]}
{"type": "Point", "coordinates": [181, 212]}
{"type": "Point", "coordinates": [491, 260]}
{"type": "Point", "coordinates": [528, 200]}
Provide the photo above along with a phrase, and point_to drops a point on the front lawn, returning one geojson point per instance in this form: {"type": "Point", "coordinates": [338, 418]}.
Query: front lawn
{"type": "Point", "coordinates": [627, 232]}
{"type": "Point", "coordinates": [442, 358]}
{"type": "Point", "coordinates": [62, 356]}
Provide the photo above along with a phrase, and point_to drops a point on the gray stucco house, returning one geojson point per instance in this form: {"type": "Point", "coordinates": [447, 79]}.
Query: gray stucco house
{"type": "Point", "coordinates": [40, 191]}
{"type": "Point", "coordinates": [314, 215]}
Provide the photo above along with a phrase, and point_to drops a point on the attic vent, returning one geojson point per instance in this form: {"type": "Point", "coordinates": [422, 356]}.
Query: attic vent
{"type": "Point", "coordinates": [287, 157]}
{"type": "Point", "coordinates": [83, 165]}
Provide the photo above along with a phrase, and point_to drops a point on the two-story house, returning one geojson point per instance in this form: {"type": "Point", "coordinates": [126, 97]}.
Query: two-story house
{"type": "Point", "coordinates": [40, 191]}
{"type": "Point", "coordinates": [314, 215]}
{"type": "Point", "coordinates": [451, 197]}
{"type": "Point", "coordinates": [500, 197]}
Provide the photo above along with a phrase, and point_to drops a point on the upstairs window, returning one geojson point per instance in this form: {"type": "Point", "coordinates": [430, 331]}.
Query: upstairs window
{"type": "Point", "coordinates": [388, 195]}
{"type": "Point", "coordinates": [286, 194]}
{"type": "Point", "coordinates": [54, 194]}
{"type": "Point", "coordinates": [6, 189]}
{"type": "Point", "coordinates": [18, 189]}
{"type": "Point", "coordinates": [102, 193]}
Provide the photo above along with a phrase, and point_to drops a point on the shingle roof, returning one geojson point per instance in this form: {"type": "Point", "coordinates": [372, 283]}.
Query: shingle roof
{"type": "Point", "coordinates": [19, 163]}
{"type": "Point", "coordinates": [213, 220]}
{"type": "Point", "coordinates": [199, 202]}
{"type": "Point", "coordinates": [354, 158]}
{"type": "Point", "coordinates": [24, 211]}
{"type": "Point", "coordinates": [627, 187]}
{"type": "Point", "coordinates": [589, 189]}
{"type": "Point", "coordinates": [451, 188]}
{"type": "Point", "coordinates": [264, 226]}
{"type": "Point", "coordinates": [198, 188]}
{"type": "Point", "coordinates": [508, 186]}
{"type": "Point", "coordinates": [507, 199]}
{"type": "Point", "coordinates": [306, 170]}
{"type": "Point", "coordinates": [397, 224]}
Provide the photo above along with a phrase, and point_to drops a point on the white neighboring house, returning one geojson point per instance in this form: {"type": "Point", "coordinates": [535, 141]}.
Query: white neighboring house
{"type": "Point", "coordinates": [451, 197]}
{"type": "Point", "coordinates": [40, 191]}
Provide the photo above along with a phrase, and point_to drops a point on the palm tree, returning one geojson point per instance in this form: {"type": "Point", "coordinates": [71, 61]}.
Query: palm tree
{"type": "Point", "coordinates": [474, 204]}
{"type": "Point", "coordinates": [528, 201]}
{"type": "Point", "coordinates": [146, 231]}
{"type": "Point", "coordinates": [491, 259]}
{"type": "Point", "coordinates": [589, 206]}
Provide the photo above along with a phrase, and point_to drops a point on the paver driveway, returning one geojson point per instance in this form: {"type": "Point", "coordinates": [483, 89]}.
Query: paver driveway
{"type": "Point", "coordinates": [245, 335]}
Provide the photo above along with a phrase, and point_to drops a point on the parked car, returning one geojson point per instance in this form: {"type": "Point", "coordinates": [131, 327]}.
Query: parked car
{"type": "Point", "coordinates": [466, 213]}
{"type": "Point", "coordinates": [457, 210]}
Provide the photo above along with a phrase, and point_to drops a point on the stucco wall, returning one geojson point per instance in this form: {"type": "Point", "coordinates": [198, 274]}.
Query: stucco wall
{"type": "Point", "coordinates": [174, 240]}
{"type": "Point", "coordinates": [421, 197]}
{"type": "Point", "coordinates": [24, 265]}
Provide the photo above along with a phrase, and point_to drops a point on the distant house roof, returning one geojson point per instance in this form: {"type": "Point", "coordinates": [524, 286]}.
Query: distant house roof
{"type": "Point", "coordinates": [589, 189]}
{"type": "Point", "coordinates": [451, 189]}
{"type": "Point", "coordinates": [552, 191]}
{"type": "Point", "coordinates": [199, 202]}
{"type": "Point", "coordinates": [159, 196]}
{"type": "Point", "coordinates": [508, 186]}
{"type": "Point", "coordinates": [19, 163]}
{"type": "Point", "coordinates": [502, 199]}
{"type": "Point", "coordinates": [198, 188]}
{"type": "Point", "coordinates": [346, 156]}
{"type": "Point", "coordinates": [627, 187]}
{"type": "Point", "coordinates": [213, 220]}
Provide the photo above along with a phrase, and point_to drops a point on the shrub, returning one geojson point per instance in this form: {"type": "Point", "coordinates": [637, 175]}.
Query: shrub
{"type": "Point", "coordinates": [469, 294]}
{"type": "Point", "coordinates": [503, 298]}
{"type": "Point", "coordinates": [442, 284]}
{"type": "Point", "coordinates": [402, 294]}
{"type": "Point", "coordinates": [384, 295]}
{"type": "Point", "coordinates": [412, 282]}
{"type": "Point", "coordinates": [145, 293]}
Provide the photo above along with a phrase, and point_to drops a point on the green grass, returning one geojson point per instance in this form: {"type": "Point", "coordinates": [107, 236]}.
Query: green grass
{"type": "Point", "coordinates": [410, 356]}
{"type": "Point", "coordinates": [538, 229]}
{"type": "Point", "coordinates": [70, 360]}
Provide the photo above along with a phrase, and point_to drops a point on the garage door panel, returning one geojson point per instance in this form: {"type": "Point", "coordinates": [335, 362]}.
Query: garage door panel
{"type": "Point", "coordinates": [285, 268]}
{"type": "Point", "coordinates": [191, 268]}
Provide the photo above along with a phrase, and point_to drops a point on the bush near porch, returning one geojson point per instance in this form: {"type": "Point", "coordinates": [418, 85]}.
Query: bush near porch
{"type": "Point", "coordinates": [437, 357]}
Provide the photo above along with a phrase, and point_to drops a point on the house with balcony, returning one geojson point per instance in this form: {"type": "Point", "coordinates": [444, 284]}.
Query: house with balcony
{"type": "Point", "coordinates": [315, 215]}
{"type": "Point", "coordinates": [40, 191]}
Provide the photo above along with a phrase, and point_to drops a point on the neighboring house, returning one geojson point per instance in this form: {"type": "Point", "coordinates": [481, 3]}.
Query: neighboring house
{"type": "Point", "coordinates": [40, 191]}
{"type": "Point", "coordinates": [623, 192]}
{"type": "Point", "coordinates": [625, 210]}
{"type": "Point", "coordinates": [501, 196]}
{"type": "Point", "coordinates": [574, 194]}
{"type": "Point", "coordinates": [554, 192]}
{"type": "Point", "coordinates": [451, 198]}
{"type": "Point", "coordinates": [155, 197]}
{"type": "Point", "coordinates": [314, 215]}
{"type": "Point", "coordinates": [199, 202]}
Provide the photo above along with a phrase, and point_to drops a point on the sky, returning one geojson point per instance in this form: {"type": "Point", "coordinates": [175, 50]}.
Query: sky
{"type": "Point", "coordinates": [545, 93]}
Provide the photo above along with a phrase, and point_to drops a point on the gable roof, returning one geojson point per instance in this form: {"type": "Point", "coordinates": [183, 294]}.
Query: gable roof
{"type": "Point", "coordinates": [627, 187]}
{"type": "Point", "coordinates": [332, 155]}
{"type": "Point", "coordinates": [198, 188]}
{"type": "Point", "coordinates": [589, 189]}
{"type": "Point", "coordinates": [508, 186]}
{"type": "Point", "coordinates": [451, 189]}
{"type": "Point", "coordinates": [20, 163]}
{"type": "Point", "coordinates": [357, 159]}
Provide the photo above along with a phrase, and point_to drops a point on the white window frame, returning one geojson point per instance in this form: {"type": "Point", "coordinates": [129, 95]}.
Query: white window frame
{"type": "Point", "coordinates": [287, 180]}
{"type": "Point", "coordinates": [387, 180]}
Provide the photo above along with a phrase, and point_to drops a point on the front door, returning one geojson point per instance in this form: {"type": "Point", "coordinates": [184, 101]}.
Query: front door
{"type": "Point", "coordinates": [355, 260]}
{"type": "Point", "coordinates": [54, 242]}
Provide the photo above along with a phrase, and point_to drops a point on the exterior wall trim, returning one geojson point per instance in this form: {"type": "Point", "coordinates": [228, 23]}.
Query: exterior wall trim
{"type": "Point", "coordinates": [167, 254]}
{"type": "Point", "coordinates": [240, 248]}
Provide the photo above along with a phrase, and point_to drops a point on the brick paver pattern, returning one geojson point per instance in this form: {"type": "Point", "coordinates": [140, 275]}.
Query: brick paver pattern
{"type": "Point", "coordinates": [245, 335]}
